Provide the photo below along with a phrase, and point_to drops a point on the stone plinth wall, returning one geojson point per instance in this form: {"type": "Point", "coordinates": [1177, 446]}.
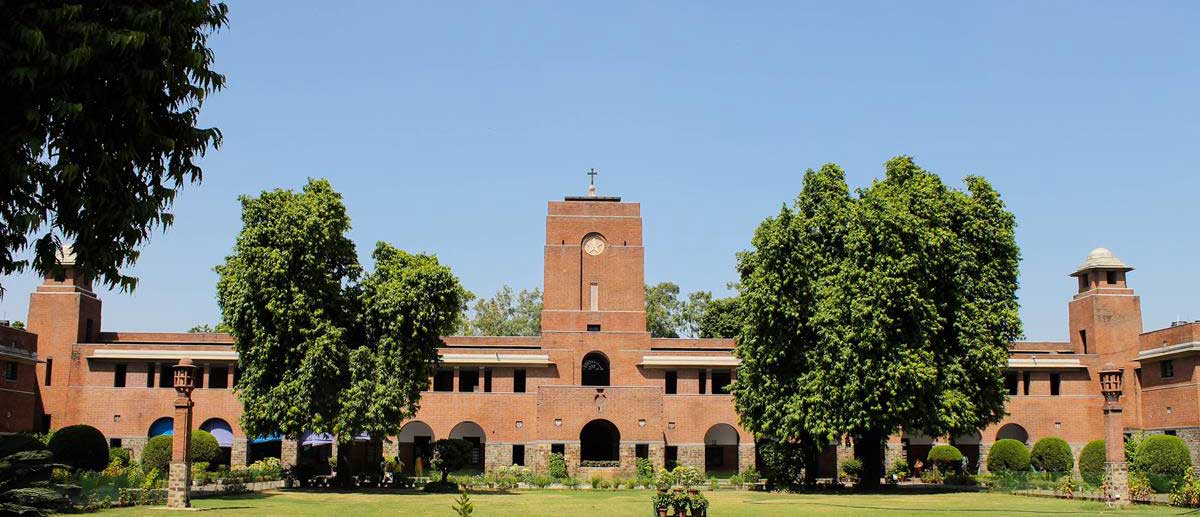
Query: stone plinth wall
{"type": "Point", "coordinates": [628, 457]}
{"type": "Point", "coordinates": [289, 451]}
{"type": "Point", "coordinates": [745, 456]}
{"type": "Point", "coordinates": [179, 483]}
{"type": "Point", "coordinates": [238, 454]}
{"type": "Point", "coordinates": [135, 445]}
{"type": "Point", "coordinates": [891, 453]}
{"type": "Point", "coordinates": [497, 455]}
{"type": "Point", "coordinates": [391, 449]}
{"type": "Point", "coordinates": [1191, 437]}
{"type": "Point", "coordinates": [658, 455]}
{"type": "Point", "coordinates": [691, 456]}
{"type": "Point", "coordinates": [571, 455]}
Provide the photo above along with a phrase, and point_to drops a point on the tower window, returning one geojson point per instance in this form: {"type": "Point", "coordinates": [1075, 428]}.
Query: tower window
{"type": "Point", "coordinates": [468, 380]}
{"type": "Point", "coordinates": [519, 380]}
{"type": "Point", "coordinates": [703, 381]}
{"type": "Point", "coordinates": [1083, 283]}
{"type": "Point", "coordinates": [594, 370]}
{"type": "Point", "coordinates": [443, 380]}
{"type": "Point", "coordinates": [487, 380]}
{"type": "Point", "coordinates": [595, 297]}
{"type": "Point", "coordinates": [218, 377]}
{"type": "Point", "coordinates": [593, 327]}
{"type": "Point", "coordinates": [1083, 339]}
{"type": "Point", "coordinates": [672, 385]}
{"type": "Point", "coordinates": [1010, 382]}
{"type": "Point", "coordinates": [1025, 382]}
{"type": "Point", "coordinates": [518, 455]}
{"type": "Point", "coordinates": [1055, 383]}
{"type": "Point", "coordinates": [119, 376]}
{"type": "Point", "coordinates": [10, 371]}
{"type": "Point", "coordinates": [721, 381]}
{"type": "Point", "coordinates": [164, 375]}
{"type": "Point", "coordinates": [1110, 277]}
{"type": "Point", "coordinates": [49, 370]}
{"type": "Point", "coordinates": [149, 375]}
{"type": "Point", "coordinates": [1168, 369]}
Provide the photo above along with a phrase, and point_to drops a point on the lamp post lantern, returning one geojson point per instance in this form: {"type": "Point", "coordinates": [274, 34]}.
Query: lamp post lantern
{"type": "Point", "coordinates": [179, 482]}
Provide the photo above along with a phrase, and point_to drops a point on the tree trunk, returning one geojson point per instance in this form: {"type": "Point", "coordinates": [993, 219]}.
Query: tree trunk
{"type": "Point", "coordinates": [345, 478]}
{"type": "Point", "coordinates": [812, 462]}
{"type": "Point", "coordinates": [868, 448]}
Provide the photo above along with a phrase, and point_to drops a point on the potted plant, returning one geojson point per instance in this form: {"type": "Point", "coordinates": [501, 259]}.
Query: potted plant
{"type": "Point", "coordinates": [699, 505]}
{"type": "Point", "coordinates": [680, 502]}
{"type": "Point", "coordinates": [661, 502]}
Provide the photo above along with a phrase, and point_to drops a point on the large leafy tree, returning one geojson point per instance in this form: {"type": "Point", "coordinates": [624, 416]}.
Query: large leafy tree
{"type": "Point", "coordinates": [507, 314]}
{"type": "Point", "coordinates": [670, 316]}
{"type": "Point", "coordinates": [720, 318]}
{"type": "Point", "coordinates": [864, 314]}
{"type": "Point", "coordinates": [322, 346]}
{"type": "Point", "coordinates": [98, 126]}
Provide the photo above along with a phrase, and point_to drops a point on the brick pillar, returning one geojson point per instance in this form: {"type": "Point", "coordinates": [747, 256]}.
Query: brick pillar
{"type": "Point", "coordinates": [627, 454]}
{"type": "Point", "coordinates": [537, 458]}
{"type": "Point", "coordinates": [844, 452]}
{"type": "Point", "coordinates": [1115, 470]}
{"type": "Point", "coordinates": [692, 456]}
{"type": "Point", "coordinates": [289, 452]}
{"type": "Point", "coordinates": [891, 453]}
{"type": "Point", "coordinates": [179, 481]}
{"type": "Point", "coordinates": [391, 448]}
{"type": "Point", "coordinates": [745, 456]}
{"type": "Point", "coordinates": [984, 449]}
{"type": "Point", "coordinates": [239, 453]}
{"type": "Point", "coordinates": [1191, 437]}
{"type": "Point", "coordinates": [571, 456]}
{"type": "Point", "coordinates": [658, 455]}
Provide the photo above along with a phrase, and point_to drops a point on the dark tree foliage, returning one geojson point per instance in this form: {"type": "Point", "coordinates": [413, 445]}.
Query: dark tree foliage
{"type": "Point", "coordinates": [80, 446]}
{"type": "Point", "coordinates": [450, 454]}
{"type": "Point", "coordinates": [99, 103]}
{"type": "Point", "coordinates": [722, 318]}
{"type": "Point", "coordinates": [866, 313]}
{"type": "Point", "coordinates": [26, 487]}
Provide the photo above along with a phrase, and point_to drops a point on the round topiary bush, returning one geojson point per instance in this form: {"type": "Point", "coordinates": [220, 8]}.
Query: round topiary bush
{"type": "Point", "coordinates": [1008, 455]}
{"type": "Point", "coordinates": [1052, 454]}
{"type": "Point", "coordinates": [947, 458]}
{"type": "Point", "coordinates": [1162, 455]}
{"type": "Point", "coordinates": [1091, 462]}
{"type": "Point", "coordinates": [81, 447]}
{"type": "Point", "coordinates": [157, 453]}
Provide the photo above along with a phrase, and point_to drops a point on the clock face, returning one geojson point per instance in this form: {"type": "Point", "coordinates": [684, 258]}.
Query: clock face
{"type": "Point", "coordinates": [593, 245]}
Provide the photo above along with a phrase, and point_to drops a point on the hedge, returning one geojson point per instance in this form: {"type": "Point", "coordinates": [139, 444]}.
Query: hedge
{"type": "Point", "coordinates": [1052, 454]}
{"type": "Point", "coordinates": [14, 443]}
{"type": "Point", "coordinates": [157, 454]}
{"type": "Point", "coordinates": [1162, 455]}
{"type": "Point", "coordinates": [947, 458]}
{"type": "Point", "coordinates": [1091, 461]}
{"type": "Point", "coordinates": [117, 453]}
{"type": "Point", "coordinates": [1008, 455]}
{"type": "Point", "coordinates": [80, 446]}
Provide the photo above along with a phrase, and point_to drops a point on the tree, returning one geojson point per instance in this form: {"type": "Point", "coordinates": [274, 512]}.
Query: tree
{"type": "Point", "coordinates": [507, 315]}
{"type": "Point", "coordinates": [98, 127]}
{"type": "Point", "coordinates": [866, 313]}
{"type": "Point", "coordinates": [323, 348]}
{"type": "Point", "coordinates": [663, 310]}
{"type": "Point", "coordinates": [205, 328]}
{"type": "Point", "coordinates": [450, 454]}
{"type": "Point", "coordinates": [721, 318]}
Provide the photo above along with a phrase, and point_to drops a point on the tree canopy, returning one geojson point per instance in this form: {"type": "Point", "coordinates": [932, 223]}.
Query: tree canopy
{"type": "Point", "coordinates": [322, 347]}
{"type": "Point", "coordinates": [98, 126]}
{"type": "Point", "coordinates": [506, 314]}
{"type": "Point", "coordinates": [866, 313]}
{"type": "Point", "coordinates": [668, 315]}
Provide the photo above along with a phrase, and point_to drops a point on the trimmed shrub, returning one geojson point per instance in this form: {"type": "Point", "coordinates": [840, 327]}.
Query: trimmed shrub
{"type": "Point", "coordinates": [157, 453]}
{"type": "Point", "coordinates": [852, 468]}
{"type": "Point", "coordinates": [204, 447]}
{"type": "Point", "coordinates": [1052, 454]}
{"type": "Point", "coordinates": [1091, 462]}
{"type": "Point", "coordinates": [558, 466]}
{"type": "Point", "coordinates": [947, 458]}
{"type": "Point", "coordinates": [1008, 455]}
{"type": "Point", "coordinates": [118, 454]}
{"type": "Point", "coordinates": [1162, 455]}
{"type": "Point", "coordinates": [80, 446]}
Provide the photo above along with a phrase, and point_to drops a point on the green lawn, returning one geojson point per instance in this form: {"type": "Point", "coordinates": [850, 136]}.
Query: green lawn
{"type": "Point", "coordinates": [636, 503]}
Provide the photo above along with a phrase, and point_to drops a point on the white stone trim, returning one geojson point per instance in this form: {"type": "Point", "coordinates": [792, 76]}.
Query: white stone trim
{"type": "Point", "coordinates": [1044, 363]}
{"type": "Point", "coordinates": [689, 361]}
{"type": "Point", "coordinates": [496, 359]}
{"type": "Point", "coordinates": [1164, 352]}
{"type": "Point", "coordinates": [204, 355]}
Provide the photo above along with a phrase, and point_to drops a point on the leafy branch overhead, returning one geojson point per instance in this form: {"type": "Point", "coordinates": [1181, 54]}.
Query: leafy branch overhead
{"type": "Point", "coordinates": [98, 126]}
{"type": "Point", "coordinates": [323, 346]}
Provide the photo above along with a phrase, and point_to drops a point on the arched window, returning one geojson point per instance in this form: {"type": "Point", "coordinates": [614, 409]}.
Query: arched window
{"type": "Point", "coordinates": [1013, 431]}
{"type": "Point", "coordinates": [164, 425]}
{"type": "Point", "coordinates": [595, 369]}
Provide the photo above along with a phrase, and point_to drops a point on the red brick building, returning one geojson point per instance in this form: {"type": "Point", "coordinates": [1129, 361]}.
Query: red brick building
{"type": "Point", "coordinates": [594, 385]}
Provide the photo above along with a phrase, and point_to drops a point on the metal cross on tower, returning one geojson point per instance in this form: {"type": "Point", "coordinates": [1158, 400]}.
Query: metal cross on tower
{"type": "Point", "coordinates": [592, 176]}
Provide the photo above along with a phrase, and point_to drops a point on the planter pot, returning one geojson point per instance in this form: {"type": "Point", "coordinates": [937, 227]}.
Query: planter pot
{"type": "Point", "coordinates": [662, 512]}
{"type": "Point", "coordinates": [693, 491]}
{"type": "Point", "coordinates": [696, 512]}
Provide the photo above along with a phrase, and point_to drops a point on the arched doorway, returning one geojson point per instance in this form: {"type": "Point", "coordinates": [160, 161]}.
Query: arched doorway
{"type": "Point", "coordinates": [223, 432]}
{"type": "Point", "coordinates": [594, 370]}
{"type": "Point", "coordinates": [600, 441]}
{"type": "Point", "coordinates": [968, 445]}
{"type": "Point", "coordinates": [415, 442]}
{"type": "Point", "coordinates": [471, 432]}
{"type": "Point", "coordinates": [721, 449]}
{"type": "Point", "coordinates": [1013, 432]}
{"type": "Point", "coordinates": [164, 425]}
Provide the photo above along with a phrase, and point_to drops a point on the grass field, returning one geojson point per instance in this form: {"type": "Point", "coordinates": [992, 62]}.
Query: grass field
{"type": "Point", "coordinates": [636, 503]}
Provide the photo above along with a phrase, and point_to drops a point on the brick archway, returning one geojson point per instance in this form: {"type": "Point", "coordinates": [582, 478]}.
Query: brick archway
{"type": "Point", "coordinates": [599, 440]}
{"type": "Point", "coordinates": [471, 432]}
{"type": "Point", "coordinates": [721, 449]}
{"type": "Point", "coordinates": [595, 370]}
{"type": "Point", "coordinates": [1014, 432]}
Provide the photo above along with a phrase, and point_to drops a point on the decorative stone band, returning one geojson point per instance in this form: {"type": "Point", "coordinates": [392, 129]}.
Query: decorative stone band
{"type": "Point", "coordinates": [17, 355]}
{"type": "Point", "coordinates": [1045, 363]}
{"type": "Point", "coordinates": [175, 353]}
{"type": "Point", "coordinates": [1164, 352]}
{"type": "Point", "coordinates": [495, 360]}
{"type": "Point", "coordinates": [689, 361]}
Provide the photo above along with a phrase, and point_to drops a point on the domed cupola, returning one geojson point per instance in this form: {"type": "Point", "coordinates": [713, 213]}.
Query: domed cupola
{"type": "Point", "coordinates": [1101, 269]}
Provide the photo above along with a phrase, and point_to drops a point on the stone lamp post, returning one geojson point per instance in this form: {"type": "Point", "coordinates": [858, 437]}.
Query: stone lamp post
{"type": "Point", "coordinates": [179, 481]}
{"type": "Point", "coordinates": [1115, 470]}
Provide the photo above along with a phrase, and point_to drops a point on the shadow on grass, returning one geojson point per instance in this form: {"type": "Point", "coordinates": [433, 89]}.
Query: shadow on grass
{"type": "Point", "coordinates": [397, 491]}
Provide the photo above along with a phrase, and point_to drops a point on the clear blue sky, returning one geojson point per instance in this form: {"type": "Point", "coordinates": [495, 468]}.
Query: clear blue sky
{"type": "Point", "coordinates": [448, 125]}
